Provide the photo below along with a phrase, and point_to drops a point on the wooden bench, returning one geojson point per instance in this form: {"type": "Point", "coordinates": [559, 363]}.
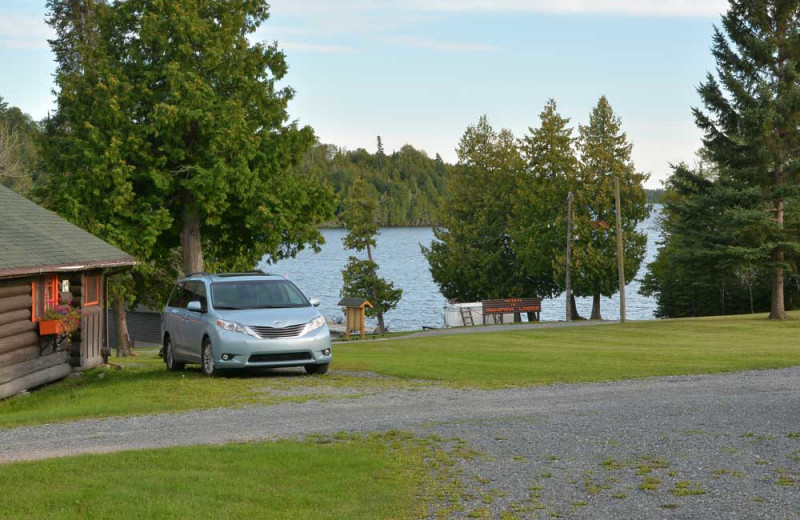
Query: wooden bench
{"type": "Point", "coordinates": [516, 306]}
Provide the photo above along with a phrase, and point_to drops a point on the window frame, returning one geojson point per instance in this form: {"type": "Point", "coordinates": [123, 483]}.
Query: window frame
{"type": "Point", "coordinates": [87, 279]}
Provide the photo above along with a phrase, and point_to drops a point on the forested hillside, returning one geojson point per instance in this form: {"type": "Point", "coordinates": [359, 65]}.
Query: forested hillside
{"type": "Point", "coordinates": [409, 183]}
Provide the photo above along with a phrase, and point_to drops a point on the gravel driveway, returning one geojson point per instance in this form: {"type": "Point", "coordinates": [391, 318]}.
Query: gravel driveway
{"type": "Point", "coordinates": [700, 447]}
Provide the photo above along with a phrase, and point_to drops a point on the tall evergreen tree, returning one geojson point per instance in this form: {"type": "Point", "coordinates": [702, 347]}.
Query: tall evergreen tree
{"type": "Point", "coordinates": [700, 269]}
{"type": "Point", "coordinates": [361, 276]}
{"type": "Point", "coordinates": [605, 154]}
{"type": "Point", "coordinates": [172, 136]}
{"type": "Point", "coordinates": [539, 209]}
{"type": "Point", "coordinates": [88, 143]}
{"type": "Point", "coordinates": [472, 257]}
{"type": "Point", "coordinates": [752, 123]}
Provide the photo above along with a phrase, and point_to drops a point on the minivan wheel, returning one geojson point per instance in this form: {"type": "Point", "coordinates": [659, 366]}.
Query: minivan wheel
{"type": "Point", "coordinates": [207, 361]}
{"type": "Point", "coordinates": [318, 369]}
{"type": "Point", "coordinates": [169, 357]}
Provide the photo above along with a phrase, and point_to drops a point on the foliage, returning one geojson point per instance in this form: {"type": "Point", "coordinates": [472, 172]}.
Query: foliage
{"type": "Point", "coordinates": [605, 155]}
{"type": "Point", "coordinates": [172, 136]}
{"type": "Point", "coordinates": [360, 277]}
{"type": "Point", "coordinates": [19, 157]}
{"type": "Point", "coordinates": [410, 185]}
{"type": "Point", "coordinates": [68, 316]}
{"type": "Point", "coordinates": [361, 280]}
{"type": "Point", "coordinates": [751, 124]}
{"type": "Point", "coordinates": [472, 256]}
{"type": "Point", "coordinates": [538, 223]}
{"type": "Point", "coordinates": [701, 268]}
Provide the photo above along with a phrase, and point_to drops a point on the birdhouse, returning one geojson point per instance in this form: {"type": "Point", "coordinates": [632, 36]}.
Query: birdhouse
{"type": "Point", "coordinates": [355, 313]}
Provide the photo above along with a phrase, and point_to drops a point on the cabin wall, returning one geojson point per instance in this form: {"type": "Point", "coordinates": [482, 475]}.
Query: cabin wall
{"type": "Point", "coordinates": [25, 360]}
{"type": "Point", "coordinates": [86, 352]}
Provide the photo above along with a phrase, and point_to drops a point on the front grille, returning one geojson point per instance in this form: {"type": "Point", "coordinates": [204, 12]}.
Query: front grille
{"type": "Point", "coordinates": [285, 332]}
{"type": "Point", "coordinates": [290, 356]}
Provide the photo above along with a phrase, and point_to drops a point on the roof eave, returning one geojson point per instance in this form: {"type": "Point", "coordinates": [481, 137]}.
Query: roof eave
{"type": "Point", "coordinates": [18, 272]}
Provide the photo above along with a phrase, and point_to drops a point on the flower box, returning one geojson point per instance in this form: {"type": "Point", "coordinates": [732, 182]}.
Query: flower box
{"type": "Point", "coordinates": [48, 327]}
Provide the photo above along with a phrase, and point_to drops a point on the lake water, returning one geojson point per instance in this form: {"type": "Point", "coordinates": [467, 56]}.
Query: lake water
{"type": "Point", "coordinates": [400, 259]}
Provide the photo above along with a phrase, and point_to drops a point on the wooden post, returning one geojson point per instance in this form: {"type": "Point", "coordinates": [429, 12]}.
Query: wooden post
{"type": "Point", "coordinates": [363, 321]}
{"type": "Point", "coordinates": [620, 253]}
{"type": "Point", "coordinates": [569, 257]}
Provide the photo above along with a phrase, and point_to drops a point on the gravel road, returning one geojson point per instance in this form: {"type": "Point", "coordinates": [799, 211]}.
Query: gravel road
{"type": "Point", "coordinates": [699, 447]}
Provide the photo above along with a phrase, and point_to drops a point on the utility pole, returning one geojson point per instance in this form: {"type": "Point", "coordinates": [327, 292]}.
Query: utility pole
{"type": "Point", "coordinates": [569, 257]}
{"type": "Point", "coordinates": [620, 258]}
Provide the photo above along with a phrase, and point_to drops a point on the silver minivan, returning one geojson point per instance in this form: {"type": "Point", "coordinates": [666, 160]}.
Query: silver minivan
{"type": "Point", "coordinates": [243, 320]}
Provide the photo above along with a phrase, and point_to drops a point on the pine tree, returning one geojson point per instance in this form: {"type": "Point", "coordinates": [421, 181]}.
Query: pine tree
{"type": "Point", "coordinates": [605, 154]}
{"type": "Point", "coordinates": [752, 125]}
{"type": "Point", "coordinates": [360, 277]}
{"type": "Point", "coordinates": [539, 209]}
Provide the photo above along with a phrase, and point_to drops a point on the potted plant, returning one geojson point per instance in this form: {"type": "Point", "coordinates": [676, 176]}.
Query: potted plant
{"type": "Point", "coordinates": [61, 319]}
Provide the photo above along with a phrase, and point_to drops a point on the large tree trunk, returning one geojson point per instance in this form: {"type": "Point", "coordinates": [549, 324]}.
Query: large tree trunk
{"type": "Point", "coordinates": [596, 307]}
{"type": "Point", "coordinates": [121, 324]}
{"type": "Point", "coordinates": [575, 315]}
{"type": "Point", "coordinates": [191, 239]}
{"type": "Point", "coordinates": [778, 309]}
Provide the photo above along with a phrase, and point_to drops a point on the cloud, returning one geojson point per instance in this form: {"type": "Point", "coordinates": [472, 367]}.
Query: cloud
{"type": "Point", "coordinates": [426, 43]}
{"type": "Point", "coordinates": [23, 32]}
{"type": "Point", "coordinates": [682, 8]}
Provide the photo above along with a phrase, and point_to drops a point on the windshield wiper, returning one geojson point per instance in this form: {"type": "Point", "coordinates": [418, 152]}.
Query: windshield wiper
{"type": "Point", "coordinates": [223, 308]}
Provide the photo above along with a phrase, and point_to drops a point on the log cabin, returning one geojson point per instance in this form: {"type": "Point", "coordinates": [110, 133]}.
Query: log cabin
{"type": "Point", "coordinates": [45, 261]}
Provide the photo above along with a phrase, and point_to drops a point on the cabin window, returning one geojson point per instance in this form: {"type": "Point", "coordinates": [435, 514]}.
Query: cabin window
{"type": "Point", "coordinates": [51, 292]}
{"type": "Point", "coordinates": [44, 295]}
{"type": "Point", "coordinates": [91, 290]}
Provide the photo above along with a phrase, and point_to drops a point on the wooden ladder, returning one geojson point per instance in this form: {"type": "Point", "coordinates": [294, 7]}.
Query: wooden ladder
{"type": "Point", "coordinates": [466, 315]}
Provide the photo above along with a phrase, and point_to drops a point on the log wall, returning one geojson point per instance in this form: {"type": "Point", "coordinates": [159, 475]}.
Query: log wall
{"type": "Point", "coordinates": [22, 364]}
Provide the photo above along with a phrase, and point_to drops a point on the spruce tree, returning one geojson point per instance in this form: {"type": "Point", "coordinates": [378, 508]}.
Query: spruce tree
{"type": "Point", "coordinates": [360, 277]}
{"type": "Point", "coordinates": [751, 124]}
{"type": "Point", "coordinates": [605, 154]}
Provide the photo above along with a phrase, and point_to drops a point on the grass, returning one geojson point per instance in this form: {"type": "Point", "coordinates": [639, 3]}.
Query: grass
{"type": "Point", "coordinates": [380, 476]}
{"type": "Point", "coordinates": [579, 354]}
{"type": "Point", "coordinates": [143, 386]}
{"type": "Point", "coordinates": [481, 360]}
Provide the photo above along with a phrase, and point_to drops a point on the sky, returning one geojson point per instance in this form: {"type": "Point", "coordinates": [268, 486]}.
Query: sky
{"type": "Point", "coordinates": [420, 71]}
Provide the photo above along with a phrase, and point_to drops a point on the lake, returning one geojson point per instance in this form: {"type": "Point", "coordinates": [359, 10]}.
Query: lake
{"type": "Point", "coordinates": [400, 259]}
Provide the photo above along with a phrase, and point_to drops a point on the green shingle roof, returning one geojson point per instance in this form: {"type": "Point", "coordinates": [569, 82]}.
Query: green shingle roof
{"type": "Point", "coordinates": [35, 240]}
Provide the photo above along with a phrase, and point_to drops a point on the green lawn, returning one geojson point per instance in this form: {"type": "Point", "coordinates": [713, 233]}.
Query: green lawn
{"type": "Point", "coordinates": [484, 360]}
{"type": "Point", "coordinates": [143, 386]}
{"type": "Point", "coordinates": [361, 478]}
{"type": "Point", "coordinates": [601, 353]}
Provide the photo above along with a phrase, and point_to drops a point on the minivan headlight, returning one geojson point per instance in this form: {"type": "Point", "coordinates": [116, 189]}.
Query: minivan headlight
{"type": "Point", "coordinates": [314, 324]}
{"type": "Point", "coordinates": [232, 326]}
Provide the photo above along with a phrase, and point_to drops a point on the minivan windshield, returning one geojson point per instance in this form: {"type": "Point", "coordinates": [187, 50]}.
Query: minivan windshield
{"type": "Point", "coordinates": [256, 294]}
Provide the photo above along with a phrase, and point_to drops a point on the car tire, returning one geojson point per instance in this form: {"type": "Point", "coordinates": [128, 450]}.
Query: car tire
{"type": "Point", "coordinates": [169, 357]}
{"type": "Point", "coordinates": [207, 363]}
{"type": "Point", "coordinates": [318, 369]}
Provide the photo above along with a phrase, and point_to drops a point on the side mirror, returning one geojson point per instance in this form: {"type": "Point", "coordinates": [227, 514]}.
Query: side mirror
{"type": "Point", "coordinates": [195, 306]}
{"type": "Point", "coordinates": [314, 302]}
